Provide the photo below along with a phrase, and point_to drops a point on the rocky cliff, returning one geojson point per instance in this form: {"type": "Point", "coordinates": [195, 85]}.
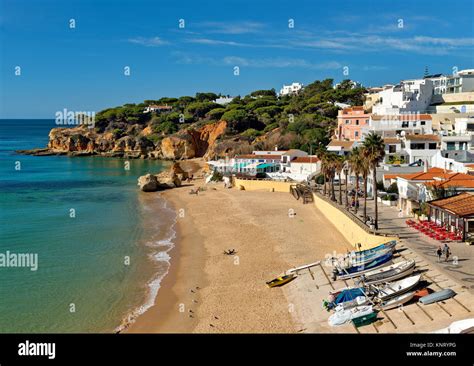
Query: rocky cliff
{"type": "Point", "coordinates": [185, 144]}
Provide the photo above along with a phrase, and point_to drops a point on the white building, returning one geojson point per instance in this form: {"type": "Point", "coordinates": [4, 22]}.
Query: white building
{"type": "Point", "coordinates": [464, 125]}
{"type": "Point", "coordinates": [341, 147]}
{"type": "Point", "coordinates": [460, 82]}
{"type": "Point", "coordinates": [395, 125]}
{"type": "Point", "coordinates": [421, 147]}
{"type": "Point", "coordinates": [224, 100]}
{"type": "Point", "coordinates": [408, 96]}
{"type": "Point", "coordinates": [292, 89]}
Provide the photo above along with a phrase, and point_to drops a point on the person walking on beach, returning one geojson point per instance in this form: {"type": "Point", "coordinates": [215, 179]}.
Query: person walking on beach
{"type": "Point", "coordinates": [447, 252]}
{"type": "Point", "coordinates": [439, 253]}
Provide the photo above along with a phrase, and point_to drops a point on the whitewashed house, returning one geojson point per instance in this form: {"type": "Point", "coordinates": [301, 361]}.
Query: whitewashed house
{"type": "Point", "coordinates": [292, 89]}
{"type": "Point", "coordinates": [408, 96]}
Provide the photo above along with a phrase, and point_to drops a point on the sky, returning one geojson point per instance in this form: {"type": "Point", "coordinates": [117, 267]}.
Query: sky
{"type": "Point", "coordinates": [175, 48]}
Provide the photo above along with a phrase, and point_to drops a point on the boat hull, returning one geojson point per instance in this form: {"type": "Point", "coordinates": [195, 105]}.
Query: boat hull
{"type": "Point", "coordinates": [437, 296]}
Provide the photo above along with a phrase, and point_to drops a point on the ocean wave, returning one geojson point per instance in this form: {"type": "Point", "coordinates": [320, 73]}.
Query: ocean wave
{"type": "Point", "coordinates": [154, 284]}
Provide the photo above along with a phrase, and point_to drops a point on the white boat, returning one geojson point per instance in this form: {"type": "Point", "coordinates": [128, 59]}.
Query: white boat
{"type": "Point", "coordinates": [342, 315]}
{"type": "Point", "coordinates": [396, 301]}
{"type": "Point", "coordinates": [388, 273]}
{"type": "Point", "coordinates": [465, 326]}
{"type": "Point", "coordinates": [392, 289]}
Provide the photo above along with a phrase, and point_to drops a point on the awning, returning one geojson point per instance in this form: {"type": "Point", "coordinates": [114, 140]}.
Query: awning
{"type": "Point", "coordinates": [266, 165]}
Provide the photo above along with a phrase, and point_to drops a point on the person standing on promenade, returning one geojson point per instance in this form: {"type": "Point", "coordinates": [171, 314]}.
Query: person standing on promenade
{"type": "Point", "coordinates": [446, 251]}
{"type": "Point", "coordinates": [439, 252]}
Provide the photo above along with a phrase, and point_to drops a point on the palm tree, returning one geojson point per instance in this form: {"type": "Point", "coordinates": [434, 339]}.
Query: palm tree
{"type": "Point", "coordinates": [356, 166]}
{"type": "Point", "coordinates": [323, 156]}
{"type": "Point", "coordinates": [346, 168]}
{"type": "Point", "coordinates": [374, 151]}
{"type": "Point", "coordinates": [331, 170]}
{"type": "Point", "coordinates": [338, 166]}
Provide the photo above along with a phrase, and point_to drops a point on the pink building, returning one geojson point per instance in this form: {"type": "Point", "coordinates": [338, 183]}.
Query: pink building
{"type": "Point", "coordinates": [349, 123]}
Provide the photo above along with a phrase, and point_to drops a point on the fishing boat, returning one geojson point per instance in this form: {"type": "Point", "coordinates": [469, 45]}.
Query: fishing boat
{"type": "Point", "coordinates": [396, 301]}
{"type": "Point", "coordinates": [388, 273]}
{"type": "Point", "coordinates": [282, 280]}
{"type": "Point", "coordinates": [364, 319]}
{"type": "Point", "coordinates": [353, 259]}
{"type": "Point", "coordinates": [342, 316]}
{"type": "Point", "coordinates": [356, 271]}
{"type": "Point", "coordinates": [388, 245]}
{"type": "Point", "coordinates": [396, 288]}
{"type": "Point", "coordinates": [465, 326]}
{"type": "Point", "coordinates": [445, 294]}
{"type": "Point", "coordinates": [347, 299]}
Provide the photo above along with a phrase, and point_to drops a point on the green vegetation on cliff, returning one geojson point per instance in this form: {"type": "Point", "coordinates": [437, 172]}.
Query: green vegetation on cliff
{"type": "Point", "coordinates": [304, 120]}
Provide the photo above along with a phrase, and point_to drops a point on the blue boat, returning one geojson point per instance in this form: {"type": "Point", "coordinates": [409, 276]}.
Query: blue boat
{"type": "Point", "coordinates": [358, 270]}
{"type": "Point", "coordinates": [347, 298]}
{"type": "Point", "coordinates": [437, 296]}
{"type": "Point", "coordinates": [388, 245]}
{"type": "Point", "coordinates": [354, 259]}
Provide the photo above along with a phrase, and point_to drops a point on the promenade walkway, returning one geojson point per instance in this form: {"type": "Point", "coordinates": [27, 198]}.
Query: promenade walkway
{"type": "Point", "coordinates": [461, 264]}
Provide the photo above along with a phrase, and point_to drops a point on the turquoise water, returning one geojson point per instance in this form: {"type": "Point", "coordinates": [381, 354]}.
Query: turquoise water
{"type": "Point", "coordinates": [84, 282]}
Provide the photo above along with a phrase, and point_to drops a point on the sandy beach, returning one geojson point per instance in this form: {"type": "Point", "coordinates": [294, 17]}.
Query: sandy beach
{"type": "Point", "coordinates": [209, 292]}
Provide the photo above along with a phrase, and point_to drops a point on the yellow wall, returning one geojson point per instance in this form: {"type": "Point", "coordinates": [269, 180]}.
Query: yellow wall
{"type": "Point", "coordinates": [348, 228]}
{"type": "Point", "coordinates": [266, 185]}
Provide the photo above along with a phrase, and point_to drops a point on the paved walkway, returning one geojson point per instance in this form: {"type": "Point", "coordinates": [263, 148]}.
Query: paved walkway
{"type": "Point", "coordinates": [460, 265]}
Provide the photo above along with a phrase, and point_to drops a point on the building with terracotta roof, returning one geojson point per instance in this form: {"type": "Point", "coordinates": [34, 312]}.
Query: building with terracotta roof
{"type": "Point", "coordinates": [455, 213]}
{"type": "Point", "coordinates": [341, 147]}
{"type": "Point", "coordinates": [349, 123]}
{"type": "Point", "coordinates": [421, 187]}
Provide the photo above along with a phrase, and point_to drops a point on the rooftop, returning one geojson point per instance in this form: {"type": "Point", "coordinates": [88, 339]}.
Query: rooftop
{"type": "Point", "coordinates": [343, 144]}
{"type": "Point", "coordinates": [306, 159]}
{"type": "Point", "coordinates": [422, 137]}
{"type": "Point", "coordinates": [460, 205]}
{"type": "Point", "coordinates": [257, 156]}
{"type": "Point", "coordinates": [402, 117]}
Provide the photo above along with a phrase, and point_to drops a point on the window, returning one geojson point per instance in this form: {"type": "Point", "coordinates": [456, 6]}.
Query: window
{"type": "Point", "coordinates": [418, 146]}
{"type": "Point", "coordinates": [414, 124]}
{"type": "Point", "coordinates": [405, 124]}
{"type": "Point", "coordinates": [366, 121]}
{"type": "Point", "coordinates": [347, 121]}
{"type": "Point", "coordinates": [450, 146]}
{"type": "Point", "coordinates": [357, 122]}
{"type": "Point", "coordinates": [432, 145]}
{"type": "Point", "coordinates": [356, 134]}
{"type": "Point", "coordinates": [422, 123]}
{"type": "Point", "coordinates": [392, 149]}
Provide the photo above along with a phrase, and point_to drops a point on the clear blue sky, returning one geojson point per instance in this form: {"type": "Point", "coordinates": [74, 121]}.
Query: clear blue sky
{"type": "Point", "coordinates": [81, 69]}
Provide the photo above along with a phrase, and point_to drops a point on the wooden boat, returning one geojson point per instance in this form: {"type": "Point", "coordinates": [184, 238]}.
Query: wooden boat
{"type": "Point", "coordinates": [342, 316]}
{"type": "Point", "coordinates": [347, 299]}
{"type": "Point", "coordinates": [396, 301]}
{"type": "Point", "coordinates": [465, 326]}
{"type": "Point", "coordinates": [445, 294]}
{"type": "Point", "coordinates": [396, 288]}
{"type": "Point", "coordinates": [356, 271]}
{"type": "Point", "coordinates": [282, 280]}
{"type": "Point", "coordinates": [388, 273]}
{"type": "Point", "coordinates": [364, 319]}
{"type": "Point", "coordinates": [388, 245]}
{"type": "Point", "coordinates": [354, 259]}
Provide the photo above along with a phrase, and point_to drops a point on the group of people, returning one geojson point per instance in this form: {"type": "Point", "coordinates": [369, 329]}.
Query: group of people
{"type": "Point", "coordinates": [446, 251]}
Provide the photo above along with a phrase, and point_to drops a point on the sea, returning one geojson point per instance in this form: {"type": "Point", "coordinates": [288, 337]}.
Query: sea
{"type": "Point", "coordinates": [102, 246]}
